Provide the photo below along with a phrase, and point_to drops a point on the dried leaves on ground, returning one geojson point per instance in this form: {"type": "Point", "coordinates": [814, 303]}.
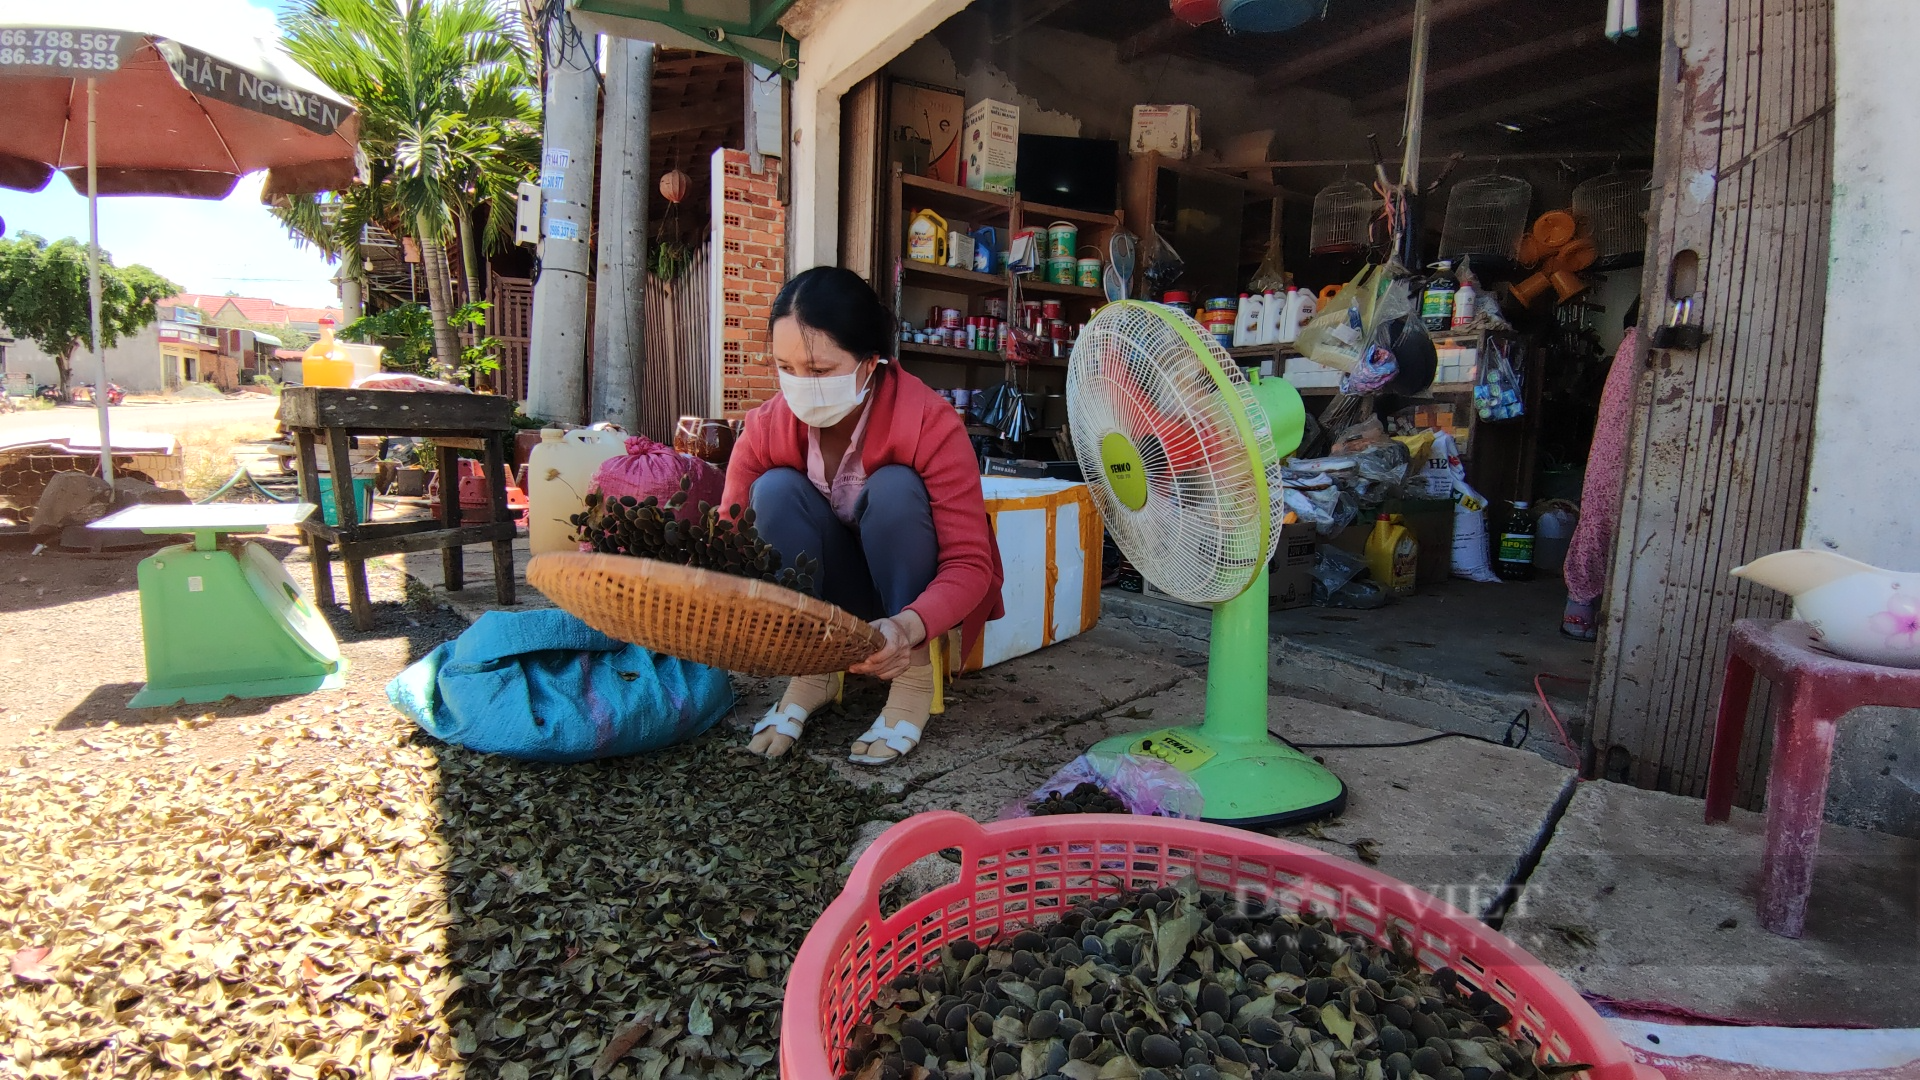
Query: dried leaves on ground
{"type": "Point", "coordinates": [406, 910]}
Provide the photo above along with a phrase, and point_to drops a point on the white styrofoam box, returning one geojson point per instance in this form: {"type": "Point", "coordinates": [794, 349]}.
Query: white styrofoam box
{"type": "Point", "coordinates": [1049, 535]}
{"type": "Point", "coordinates": [1302, 372]}
{"type": "Point", "coordinates": [1456, 364]}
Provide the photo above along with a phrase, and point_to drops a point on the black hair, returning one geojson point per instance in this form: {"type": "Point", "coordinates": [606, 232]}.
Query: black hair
{"type": "Point", "coordinates": [840, 304]}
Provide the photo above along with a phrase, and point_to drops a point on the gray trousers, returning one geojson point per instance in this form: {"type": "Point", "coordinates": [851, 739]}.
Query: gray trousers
{"type": "Point", "coordinates": [874, 569]}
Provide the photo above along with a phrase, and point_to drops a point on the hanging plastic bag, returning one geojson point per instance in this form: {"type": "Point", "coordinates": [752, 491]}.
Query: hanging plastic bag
{"type": "Point", "coordinates": [1496, 389]}
{"type": "Point", "coordinates": [1371, 374]}
{"type": "Point", "coordinates": [1147, 786]}
{"type": "Point", "coordinates": [1272, 275]}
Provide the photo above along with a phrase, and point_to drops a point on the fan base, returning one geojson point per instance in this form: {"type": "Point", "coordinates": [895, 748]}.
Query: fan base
{"type": "Point", "coordinates": [1248, 784]}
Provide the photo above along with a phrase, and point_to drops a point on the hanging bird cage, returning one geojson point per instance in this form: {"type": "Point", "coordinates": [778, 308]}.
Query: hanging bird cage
{"type": "Point", "coordinates": [1342, 215]}
{"type": "Point", "coordinates": [1486, 217]}
{"type": "Point", "coordinates": [1614, 209]}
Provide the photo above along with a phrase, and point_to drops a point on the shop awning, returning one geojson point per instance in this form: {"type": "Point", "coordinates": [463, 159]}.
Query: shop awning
{"type": "Point", "coordinates": [748, 29]}
{"type": "Point", "coordinates": [267, 339]}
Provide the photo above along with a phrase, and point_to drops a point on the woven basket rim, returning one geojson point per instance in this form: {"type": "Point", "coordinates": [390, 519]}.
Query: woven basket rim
{"type": "Point", "coordinates": [712, 588]}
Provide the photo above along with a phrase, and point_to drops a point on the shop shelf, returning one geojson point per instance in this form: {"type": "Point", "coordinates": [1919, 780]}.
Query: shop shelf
{"type": "Point", "coordinates": [1031, 213]}
{"type": "Point", "coordinates": [1048, 288]}
{"type": "Point", "coordinates": [942, 352]}
{"type": "Point", "coordinates": [952, 279]}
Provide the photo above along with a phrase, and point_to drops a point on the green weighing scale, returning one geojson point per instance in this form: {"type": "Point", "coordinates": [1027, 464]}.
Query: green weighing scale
{"type": "Point", "coordinates": [221, 617]}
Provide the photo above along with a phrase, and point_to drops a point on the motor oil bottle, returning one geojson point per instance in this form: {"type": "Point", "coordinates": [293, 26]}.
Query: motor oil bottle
{"type": "Point", "coordinates": [1515, 559]}
{"type": "Point", "coordinates": [1393, 555]}
{"type": "Point", "coordinates": [1436, 303]}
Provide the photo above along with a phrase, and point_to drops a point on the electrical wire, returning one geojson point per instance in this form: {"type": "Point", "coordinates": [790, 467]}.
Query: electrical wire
{"type": "Point", "coordinates": [1559, 728]}
{"type": "Point", "coordinates": [1522, 722]}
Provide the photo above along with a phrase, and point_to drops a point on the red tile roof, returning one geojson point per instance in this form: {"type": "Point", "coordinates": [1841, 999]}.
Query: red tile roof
{"type": "Point", "coordinates": [253, 308]}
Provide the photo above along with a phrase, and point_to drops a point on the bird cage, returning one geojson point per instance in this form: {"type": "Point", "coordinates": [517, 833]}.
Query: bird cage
{"type": "Point", "coordinates": [1342, 217]}
{"type": "Point", "coordinates": [1486, 217]}
{"type": "Point", "coordinates": [1614, 209]}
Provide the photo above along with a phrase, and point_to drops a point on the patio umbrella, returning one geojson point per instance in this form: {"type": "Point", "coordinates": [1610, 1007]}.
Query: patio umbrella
{"type": "Point", "coordinates": [159, 98]}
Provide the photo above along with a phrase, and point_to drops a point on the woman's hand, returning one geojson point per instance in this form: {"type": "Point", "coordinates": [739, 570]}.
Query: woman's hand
{"type": "Point", "coordinates": [903, 633]}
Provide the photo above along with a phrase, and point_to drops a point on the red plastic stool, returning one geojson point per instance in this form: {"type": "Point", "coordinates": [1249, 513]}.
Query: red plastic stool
{"type": "Point", "coordinates": [1814, 689]}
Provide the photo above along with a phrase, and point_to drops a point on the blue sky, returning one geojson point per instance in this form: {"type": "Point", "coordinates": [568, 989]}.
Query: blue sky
{"type": "Point", "coordinates": [229, 246]}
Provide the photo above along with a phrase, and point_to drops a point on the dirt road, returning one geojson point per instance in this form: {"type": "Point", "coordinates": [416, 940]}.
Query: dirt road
{"type": "Point", "coordinates": [172, 417]}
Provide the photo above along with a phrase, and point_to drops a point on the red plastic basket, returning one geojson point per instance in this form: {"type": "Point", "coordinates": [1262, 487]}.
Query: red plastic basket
{"type": "Point", "coordinates": [1028, 871]}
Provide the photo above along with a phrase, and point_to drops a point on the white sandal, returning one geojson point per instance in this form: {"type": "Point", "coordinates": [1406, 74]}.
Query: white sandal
{"type": "Point", "coordinates": [790, 720]}
{"type": "Point", "coordinates": [899, 736]}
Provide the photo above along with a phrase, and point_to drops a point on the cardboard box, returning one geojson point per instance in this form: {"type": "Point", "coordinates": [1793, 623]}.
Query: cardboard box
{"type": "Point", "coordinates": [991, 146]}
{"type": "Point", "coordinates": [1029, 469]}
{"type": "Point", "coordinates": [930, 115]}
{"type": "Point", "coordinates": [1171, 130]}
{"type": "Point", "coordinates": [1290, 577]}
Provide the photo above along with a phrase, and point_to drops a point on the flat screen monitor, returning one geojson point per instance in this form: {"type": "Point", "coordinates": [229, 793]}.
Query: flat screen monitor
{"type": "Point", "coordinates": [1079, 174]}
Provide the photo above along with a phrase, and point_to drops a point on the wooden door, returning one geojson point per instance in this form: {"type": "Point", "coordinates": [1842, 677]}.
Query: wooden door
{"type": "Point", "coordinates": [863, 171]}
{"type": "Point", "coordinates": [1717, 463]}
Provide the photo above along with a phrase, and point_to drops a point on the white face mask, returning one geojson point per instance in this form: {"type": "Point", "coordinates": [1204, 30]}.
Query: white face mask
{"type": "Point", "coordinates": [825, 400]}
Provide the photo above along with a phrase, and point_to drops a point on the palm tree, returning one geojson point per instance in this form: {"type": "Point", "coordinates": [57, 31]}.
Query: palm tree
{"type": "Point", "coordinates": [449, 121]}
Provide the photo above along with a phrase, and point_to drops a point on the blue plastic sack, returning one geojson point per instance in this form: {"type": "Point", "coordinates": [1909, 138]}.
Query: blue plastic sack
{"type": "Point", "coordinates": [544, 686]}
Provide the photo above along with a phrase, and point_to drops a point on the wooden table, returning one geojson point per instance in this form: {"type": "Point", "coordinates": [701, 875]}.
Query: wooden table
{"type": "Point", "coordinates": [476, 422]}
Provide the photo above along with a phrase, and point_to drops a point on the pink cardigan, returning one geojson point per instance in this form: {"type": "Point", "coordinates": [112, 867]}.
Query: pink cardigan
{"type": "Point", "coordinates": [908, 425]}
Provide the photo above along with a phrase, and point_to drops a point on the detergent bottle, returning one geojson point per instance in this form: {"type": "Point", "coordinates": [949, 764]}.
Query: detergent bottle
{"type": "Point", "coordinates": [325, 363]}
{"type": "Point", "coordinates": [559, 471]}
{"type": "Point", "coordinates": [927, 238]}
{"type": "Point", "coordinates": [1393, 555]}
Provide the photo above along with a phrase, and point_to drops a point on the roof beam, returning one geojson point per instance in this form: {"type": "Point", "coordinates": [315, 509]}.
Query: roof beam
{"type": "Point", "coordinates": [1154, 38]}
{"type": "Point", "coordinates": [1492, 63]}
{"type": "Point", "coordinates": [1379, 36]}
{"type": "Point", "coordinates": [1040, 13]}
{"type": "Point", "coordinates": [723, 113]}
{"type": "Point", "coordinates": [1544, 98]}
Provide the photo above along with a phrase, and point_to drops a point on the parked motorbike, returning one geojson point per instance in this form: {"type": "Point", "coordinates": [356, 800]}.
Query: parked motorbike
{"type": "Point", "coordinates": [47, 393]}
{"type": "Point", "coordinates": [115, 395]}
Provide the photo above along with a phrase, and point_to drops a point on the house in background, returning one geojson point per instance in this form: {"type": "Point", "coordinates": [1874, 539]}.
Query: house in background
{"type": "Point", "coordinates": [134, 362]}
{"type": "Point", "coordinates": [222, 310]}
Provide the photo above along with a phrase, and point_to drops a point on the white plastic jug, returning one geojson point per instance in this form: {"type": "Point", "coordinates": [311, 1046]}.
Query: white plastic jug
{"type": "Point", "coordinates": [1273, 311]}
{"type": "Point", "coordinates": [1246, 320]}
{"type": "Point", "coordinates": [1301, 308]}
{"type": "Point", "coordinates": [559, 472]}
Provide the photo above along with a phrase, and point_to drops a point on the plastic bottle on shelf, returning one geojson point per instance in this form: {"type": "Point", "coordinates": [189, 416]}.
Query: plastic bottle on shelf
{"type": "Point", "coordinates": [325, 363]}
{"type": "Point", "coordinates": [1246, 320]}
{"type": "Point", "coordinates": [1273, 313]}
{"type": "Point", "coordinates": [1436, 303]}
{"type": "Point", "coordinates": [1301, 307]}
{"type": "Point", "coordinates": [1466, 304]}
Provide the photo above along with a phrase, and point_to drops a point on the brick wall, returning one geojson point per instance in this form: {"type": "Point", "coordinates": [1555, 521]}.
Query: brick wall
{"type": "Point", "coordinates": [750, 225]}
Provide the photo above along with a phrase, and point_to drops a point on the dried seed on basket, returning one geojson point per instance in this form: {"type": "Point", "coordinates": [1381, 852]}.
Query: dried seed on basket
{"type": "Point", "coordinates": [1190, 986]}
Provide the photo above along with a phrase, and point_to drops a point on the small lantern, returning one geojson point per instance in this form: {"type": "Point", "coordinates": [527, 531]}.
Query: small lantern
{"type": "Point", "coordinates": [674, 186]}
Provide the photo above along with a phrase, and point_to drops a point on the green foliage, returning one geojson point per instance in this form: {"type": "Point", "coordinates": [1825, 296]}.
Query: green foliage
{"type": "Point", "coordinates": [449, 116]}
{"type": "Point", "coordinates": [406, 332]}
{"type": "Point", "coordinates": [44, 296]}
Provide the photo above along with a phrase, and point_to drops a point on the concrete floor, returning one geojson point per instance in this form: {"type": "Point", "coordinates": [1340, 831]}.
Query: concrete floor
{"type": "Point", "coordinates": [1626, 893]}
{"type": "Point", "coordinates": [1494, 635]}
{"type": "Point", "coordinates": [1459, 656]}
{"type": "Point", "coordinates": [1637, 899]}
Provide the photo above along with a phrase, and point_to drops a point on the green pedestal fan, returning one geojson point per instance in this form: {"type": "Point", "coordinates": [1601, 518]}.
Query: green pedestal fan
{"type": "Point", "coordinates": [1183, 455]}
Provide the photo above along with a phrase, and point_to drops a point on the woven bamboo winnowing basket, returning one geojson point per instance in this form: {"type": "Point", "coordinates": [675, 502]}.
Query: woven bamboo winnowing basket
{"type": "Point", "coordinates": [734, 623]}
